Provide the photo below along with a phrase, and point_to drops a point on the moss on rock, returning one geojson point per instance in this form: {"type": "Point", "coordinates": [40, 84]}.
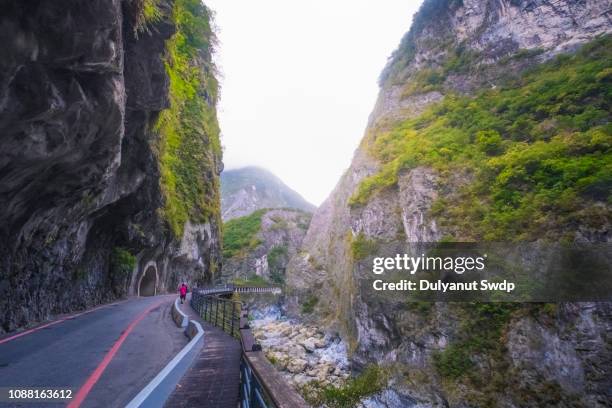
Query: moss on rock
{"type": "Point", "coordinates": [189, 148]}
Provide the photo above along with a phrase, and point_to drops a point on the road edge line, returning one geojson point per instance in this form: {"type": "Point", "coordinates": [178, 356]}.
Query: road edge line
{"type": "Point", "coordinates": [159, 389]}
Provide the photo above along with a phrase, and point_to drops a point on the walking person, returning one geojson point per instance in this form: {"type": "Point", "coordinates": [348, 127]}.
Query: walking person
{"type": "Point", "coordinates": [183, 292]}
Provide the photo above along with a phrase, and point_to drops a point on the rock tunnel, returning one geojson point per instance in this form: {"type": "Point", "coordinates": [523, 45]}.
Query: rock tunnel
{"type": "Point", "coordinates": [148, 282]}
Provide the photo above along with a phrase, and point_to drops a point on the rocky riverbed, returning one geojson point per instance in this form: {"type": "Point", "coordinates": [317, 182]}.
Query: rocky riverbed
{"type": "Point", "coordinates": [301, 352]}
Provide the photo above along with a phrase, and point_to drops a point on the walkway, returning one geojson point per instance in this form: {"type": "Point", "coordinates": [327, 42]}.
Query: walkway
{"type": "Point", "coordinates": [213, 380]}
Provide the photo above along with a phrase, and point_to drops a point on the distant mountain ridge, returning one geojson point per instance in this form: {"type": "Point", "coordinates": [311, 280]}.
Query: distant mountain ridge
{"type": "Point", "coordinates": [252, 188]}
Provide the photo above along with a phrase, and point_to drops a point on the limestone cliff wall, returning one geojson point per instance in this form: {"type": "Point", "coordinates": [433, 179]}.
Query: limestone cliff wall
{"type": "Point", "coordinates": [81, 87]}
{"type": "Point", "coordinates": [277, 241]}
{"type": "Point", "coordinates": [504, 38]}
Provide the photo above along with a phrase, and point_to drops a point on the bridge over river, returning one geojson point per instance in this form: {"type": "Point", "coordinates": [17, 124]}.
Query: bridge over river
{"type": "Point", "coordinates": [110, 355]}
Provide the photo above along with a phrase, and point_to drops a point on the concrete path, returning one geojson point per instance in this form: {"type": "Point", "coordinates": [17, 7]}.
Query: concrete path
{"type": "Point", "coordinates": [213, 380]}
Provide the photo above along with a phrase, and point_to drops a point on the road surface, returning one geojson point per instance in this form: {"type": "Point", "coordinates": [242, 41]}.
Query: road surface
{"type": "Point", "coordinates": [106, 356]}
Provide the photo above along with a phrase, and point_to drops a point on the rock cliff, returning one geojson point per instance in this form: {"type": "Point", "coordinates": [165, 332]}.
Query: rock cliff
{"type": "Point", "coordinates": [259, 246]}
{"type": "Point", "coordinates": [92, 120]}
{"type": "Point", "coordinates": [469, 91]}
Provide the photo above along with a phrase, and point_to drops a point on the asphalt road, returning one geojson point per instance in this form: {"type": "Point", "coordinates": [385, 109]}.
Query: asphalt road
{"type": "Point", "coordinates": [106, 356]}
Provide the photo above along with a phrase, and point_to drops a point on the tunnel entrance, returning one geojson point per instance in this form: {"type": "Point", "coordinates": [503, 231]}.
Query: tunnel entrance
{"type": "Point", "coordinates": [148, 282]}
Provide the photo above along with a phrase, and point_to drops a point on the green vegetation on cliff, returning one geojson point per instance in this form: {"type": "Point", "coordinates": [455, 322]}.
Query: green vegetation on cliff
{"type": "Point", "coordinates": [149, 14]}
{"type": "Point", "coordinates": [239, 234]}
{"type": "Point", "coordinates": [368, 382]}
{"type": "Point", "coordinates": [122, 264]}
{"type": "Point", "coordinates": [476, 363]}
{"type": "Point", "coordinates": [437, 10]}
{"type": "Point", "coordinates": [277, 260]}
{"type": "Point", "coordinates": [189, 148]}
{"type": "Point", "coordinates": [535, 152]}
{"type": "Point", "coordinates": [309, 304]}
{"type": "Point", "coordinates": [480, 334]}
{"type": "Point", "coordinates": [362, 247]}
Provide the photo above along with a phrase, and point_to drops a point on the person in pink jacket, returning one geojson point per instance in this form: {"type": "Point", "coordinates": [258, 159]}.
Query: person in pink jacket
{"type": "Point", "coordinates": [183, 292]}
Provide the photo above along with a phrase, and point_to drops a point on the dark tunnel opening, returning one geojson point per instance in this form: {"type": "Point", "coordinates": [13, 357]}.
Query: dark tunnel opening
{"type": "Point", "coordinates": [148, 282]}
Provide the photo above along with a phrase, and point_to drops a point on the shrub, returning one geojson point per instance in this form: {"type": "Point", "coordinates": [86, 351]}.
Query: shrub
{"type": "Point", "coordinates": [122, 264]}
{"type": "Point", "coordinates": [423, 81]}
{"type": "Point", "coordinates": [309, 304]}
{"type": "Point", "coordinates": [481, 329]}
{"type": "Point", "coordinates": [277, 261]}
{"type": "Point", "coordinates": [421, 307]}
{"type": "Point", "coordinates": [272, 359]}
{"type": "Point", "coordinates": [550, 309]}
{"type": "Point", "coordinates": [453, 362]}
{"type": "Point", "coordinates": [460, 60]}
{"type": "Point", "coordinates": [145, 13]}
{"type": "Point", "coordinates": [489, 141]}
{"type": "Point", "coordinates": [362, 247]}
{"type": "Point", "coordinates": [370, 381]}
{"type": "Point", "coordinates": [122, 261]}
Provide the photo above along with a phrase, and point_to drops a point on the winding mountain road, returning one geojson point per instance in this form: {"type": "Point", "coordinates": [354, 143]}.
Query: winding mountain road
{"type": "Point", "coordinates": [106, 355]}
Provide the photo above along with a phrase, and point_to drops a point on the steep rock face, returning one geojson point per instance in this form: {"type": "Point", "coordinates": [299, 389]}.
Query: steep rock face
{"type": "Point", "coordinates": [493, 31]}
{"type": "Point", "coordinates": [452, 48]}
{"type": "Point", "coordinates": [252, 188]}
{"type": "Point", "coordinates": [277, 240]}
{"type": "Point", "coordinates": [80, 90]}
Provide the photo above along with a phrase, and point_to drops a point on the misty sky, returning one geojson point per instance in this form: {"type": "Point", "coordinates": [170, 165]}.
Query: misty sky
{"type": "Point", "coordinates": [299, 79]}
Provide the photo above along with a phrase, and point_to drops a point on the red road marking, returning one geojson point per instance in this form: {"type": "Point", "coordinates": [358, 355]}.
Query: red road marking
{"type": "Point", "coordinates": [97, 373]}
{"type": "Point", "coordinates": [63, 319]}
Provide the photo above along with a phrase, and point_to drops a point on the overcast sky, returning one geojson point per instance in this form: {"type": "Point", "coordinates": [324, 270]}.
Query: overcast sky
{"type": "Point", "coordinates": [299, 79]}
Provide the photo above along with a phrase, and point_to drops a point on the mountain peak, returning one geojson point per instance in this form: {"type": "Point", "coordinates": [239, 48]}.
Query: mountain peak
{"type": "Point", "coordinates": [250, 188]}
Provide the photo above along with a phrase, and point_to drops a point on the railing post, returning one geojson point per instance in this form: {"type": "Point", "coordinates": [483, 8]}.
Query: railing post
{"type": "Point", "coordinates": [205, 308]}
{"type": "Point", "coordinates": [216, 312]}
{"type": "Point", "coordinates": [223, 320]}
{"type": "Point", "coordinates": [232, 323]}
{"type": "Point", "coordinates": [209, 300]}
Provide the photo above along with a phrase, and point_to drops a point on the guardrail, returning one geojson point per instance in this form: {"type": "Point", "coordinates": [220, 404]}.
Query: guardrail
{"type": "Point", "coordinates": [229, 288]}
{"type": "Point", "coordinates": [261, 385]}
{"type": "Point", "coordinates": [218, 290]}
{"type": "Point", "coordinates": [223, 313]}
{"type": "Point", "coordinates": [254, 289]}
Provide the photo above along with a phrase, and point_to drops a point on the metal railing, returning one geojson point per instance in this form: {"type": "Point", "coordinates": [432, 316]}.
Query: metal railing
{"type": "Point", "coordinates": [261, 386]}
{"type": "Point", "coordinates": [229, 288]}
{"type": "Point", "coordinates": [215, 290]}
{"type": "Point", "coordinates": [252, 394]}
{"type": "Point", "coordinates": [223, 313]}
{"type": "Point", "coordinates": [255, 289]}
